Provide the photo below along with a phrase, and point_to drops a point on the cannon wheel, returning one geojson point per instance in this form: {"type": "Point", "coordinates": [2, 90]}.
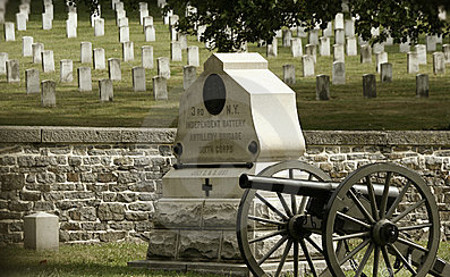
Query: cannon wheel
{"type": "Point", "coordinates": [392, 237]}
{"type": "Point", "coordinates": [282, 212]}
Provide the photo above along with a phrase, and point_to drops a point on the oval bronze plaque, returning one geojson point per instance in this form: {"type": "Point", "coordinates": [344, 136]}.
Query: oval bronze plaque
{"type": "Point", "coordinates": [214, 94]}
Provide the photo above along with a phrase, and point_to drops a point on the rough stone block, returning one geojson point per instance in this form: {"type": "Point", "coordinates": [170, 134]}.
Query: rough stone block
{"type": "Point", "coordinates": [178, 213]}
{"type": "Point", "coordinates": [199, 245]}
{"type": "Point", "coordinates": [162, 244]}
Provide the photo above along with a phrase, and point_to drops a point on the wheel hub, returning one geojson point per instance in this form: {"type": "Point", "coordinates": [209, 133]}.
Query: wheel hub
{"type": "Point", "coordinates": [385, 232]}
{"type": "Point", "coordinates": [295, 227]}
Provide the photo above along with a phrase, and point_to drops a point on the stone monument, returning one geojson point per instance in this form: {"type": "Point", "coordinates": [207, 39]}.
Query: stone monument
{"type": "Point", "coordinates": [237, 117]}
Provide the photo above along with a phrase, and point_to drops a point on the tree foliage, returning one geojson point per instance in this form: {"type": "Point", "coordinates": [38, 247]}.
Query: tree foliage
{"type": "Point", "coordinates": [231, 23]}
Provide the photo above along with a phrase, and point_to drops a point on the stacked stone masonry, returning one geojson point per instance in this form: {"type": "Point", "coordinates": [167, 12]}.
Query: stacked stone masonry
{"type": "Point", "coordinates": [104, 183]}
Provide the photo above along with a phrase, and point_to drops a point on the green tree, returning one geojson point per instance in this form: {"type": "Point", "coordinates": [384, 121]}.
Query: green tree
{"type": "Point", "coordinates": [230, 23]}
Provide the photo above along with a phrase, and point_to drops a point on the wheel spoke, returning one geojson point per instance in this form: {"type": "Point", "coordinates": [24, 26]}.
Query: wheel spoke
{"type": "Point", "coordinates": [376, 260]}
{"type": "Point", "coordinates": [412, 244]}
{"type": "Point", "coordinates": [308, 239]}
{"type": "Point", "coordinates": [265, 220]}
{"type": "Point", "coordinates": [364, 260]}
{"type": "Point", "coordinates": [408, 210]}
{"type": "Point", "coordinates": [275, 210]}
{"type": "Point", "coordinates": [415, 227]}
{"type": "Point", "coordinates": [273, 249]}
{"type": "Point", "coordinates": [398, 200]}
{"type": "Point", "coordinates": [302, 206]}
{"type": "Point", "coordinates": [355, 235]}
{"type": "Point", "coordinates": [285, 205]}
{"type": "Point", "coordinates": [295, 259]}
{"type": "Point", "coordinates": [283, 258]}
{"type": "Point", "coordinates": [361, 207]}
{"type": "Point", "coordinates": [405, 262]}
{"type": "Point", "coordinates": [281, 232]}
{"type": "Point", "coordinates": [354, 220]}
{"type": "Point", "coordinates": [373, 201]}
{"type": "Point", "coordinates": [308, 257]}
{"type": "Point", "coordinates": [355, 251]}
{"type": "Point", "coordinates": [387, 261]}
{"type": "Point", "coordinates": [384, 198]}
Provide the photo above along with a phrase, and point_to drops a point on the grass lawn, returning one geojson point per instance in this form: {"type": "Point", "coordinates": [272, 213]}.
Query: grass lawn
{"type": "Point", "coordinates": [395, 108]}
{"type": "Point", "coordinates": [92, 260]}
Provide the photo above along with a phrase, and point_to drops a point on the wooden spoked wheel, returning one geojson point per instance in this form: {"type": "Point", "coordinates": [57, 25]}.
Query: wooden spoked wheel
{"type": "Point", "coordinates": [390, 229]}
{"type": "Point", "coordinates": [269, 242]}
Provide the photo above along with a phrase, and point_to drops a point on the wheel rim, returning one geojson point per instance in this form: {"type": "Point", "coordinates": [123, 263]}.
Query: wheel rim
{"type": "Point", "coordinates": [279, 226]}
{"type": "Point", "coordinates": [383, 236]}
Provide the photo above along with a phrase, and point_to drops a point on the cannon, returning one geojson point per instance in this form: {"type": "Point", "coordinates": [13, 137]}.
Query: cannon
{"type": "Point", "coordinates": [382, 220]}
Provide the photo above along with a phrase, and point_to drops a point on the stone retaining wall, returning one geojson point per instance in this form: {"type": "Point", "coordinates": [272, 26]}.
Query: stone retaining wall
{"type": "Point", "coordinates": [103, 182]}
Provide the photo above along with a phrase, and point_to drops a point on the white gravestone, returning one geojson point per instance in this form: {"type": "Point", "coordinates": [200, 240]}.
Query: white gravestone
{"type": "Point", "coordinates": [272, 48]}
{"type": "Point", "coordinates": [311, 50]}
{"type": "Point", "coordinates": [352, 48]}
{"type": "Point", "coordinates": [37, 49]}
{"type": "Point", "coordinates": [286, 37]}
{"type": "Point", "coordinates": [84, 79]}
{"type": "Point", "coordinates": [314, 37]}
{"type": "Point", "coordinates": [148, 21]}
{"type": "Point", "coordinates": [438, 63]}
{"type": "Point", "coordinates": [412, 62]}
{"type": "Point", "coordinates": [404, 47]}
{"type": "Point", "coordinates": [41, 230]}
{"type": "Point", "coordinates": [160, 88]}
{"type": "Point", "coordinates": [296, 47]}
{"type": "Point", "coordinates": [99, 27]}
{"type": "Point", "coordinates": [47, 22]}
{"type": "Point", "coordinates": [369, 86]}
{"type": "Point", "coordinates": [339, 36]}
{"type": "Point", "coordinates": [338, 53]}
{"type": "Point", "coordinates": [66, 71]}
{"type": "Point", "coordinates": [350, 27]}
{"type": "Point", "coordinates": [71, 28]}
{"type": "Point", "coordinates": [421, 53]}
{"type": "Point", "coordinates": [115, 73]}
{"type": "Point", "coordinates": [147, 57]}
{"type": "Point", "coordinates": [289, 74]}
{"type": "Point", "coordinates": [381, 58]}
{"type": "Point", "coordinates": [48, 100]}
{"type": "Point", "coordinates": [175, 51]}
{"type": "Point", "coordinates": [48, 62]}
{"type": "Point", "coordinates": [21, 21]}
{"type": "Point", "coordinates": [366, 54]}
{"type": "Point", "coordinates": [105, 88]}
{"type": "Point", "coordinates": [73, 18]}
{"type": "Point", "coordinates": [48, 9]}
{"type": "Point", "coordinates": [124, 34]}
{"type": "Point", "coordinates": [446, 50]}
{"type": "Point", "coordinates": [182, 38]}
{"type": "Point", "coordinates": [128, 51]}
{"type": "Point", "coordinates": [27, 46]}
{"type": "Point", "coordinates": [163, 67]}
{"type": "Point", "coordinates": [3, 59]}
{"type": "Point", "coordinates": [12, 71]}
{"type": "Point", "coordinates": [378, 47]}
{"type": "Point", "coordinates": [99, 59]}
{"type": "Point", "coordinates": [325, 46]}
{"type": "Point", "coordinates": [338, 76]}
{"type": "Point", "coordinates": [431, 43]}
{"type": "Point", "coordinates": [328, 32]}
{"type": "Point", "coordinates": [308, 66]}
{"type": "Point", "coordinates": [138, 76]}
{"type": "Point", "coordinates": [32, 80]}
{"type": "Point", "coordinates": [86, 52]}
{"type": "Point", "coordinates": [122, 22]}
{"type": "Point", "coordinates": [193, 56]}
{"type": "Point", "coordinates": [150, 33]}
{"type": "Point", "coordinates": [189, 76]}
{"type": "Point", "coordinates": [339, 21]}
{"type": "Point", "coordinates": [142, 15]}
{"type": "Point", "coordinates": [10, 32]}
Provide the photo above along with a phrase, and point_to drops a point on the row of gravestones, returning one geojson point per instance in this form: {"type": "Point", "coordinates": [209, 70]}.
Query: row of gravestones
{"type": "Point", "coordinates": [369, 86]}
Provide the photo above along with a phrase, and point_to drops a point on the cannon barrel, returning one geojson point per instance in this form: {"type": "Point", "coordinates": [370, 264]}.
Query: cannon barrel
{"type": "Point", "coordinates": [304, 187]}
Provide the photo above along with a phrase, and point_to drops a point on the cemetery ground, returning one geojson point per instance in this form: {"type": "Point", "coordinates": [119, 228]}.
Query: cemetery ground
{"type": "Point", "coordinates": [395, 108]}
{"type": "Point", "coordinates": [108, 259]}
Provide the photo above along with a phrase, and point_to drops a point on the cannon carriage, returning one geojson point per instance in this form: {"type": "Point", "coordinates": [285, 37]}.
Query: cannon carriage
{"type": "Point", "coordinates": [240, 201]}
